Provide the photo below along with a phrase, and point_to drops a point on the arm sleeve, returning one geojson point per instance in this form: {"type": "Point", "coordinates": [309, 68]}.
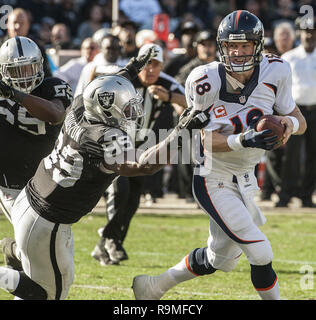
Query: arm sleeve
{"type": "Point", "coordinates": [200, 92]}
{"type": "Point", "coordinates": [200, 89]}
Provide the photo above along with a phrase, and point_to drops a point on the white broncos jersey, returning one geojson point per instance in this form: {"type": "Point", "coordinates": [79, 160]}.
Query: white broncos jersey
{"type": "Point", "coordinates": [268, 90]}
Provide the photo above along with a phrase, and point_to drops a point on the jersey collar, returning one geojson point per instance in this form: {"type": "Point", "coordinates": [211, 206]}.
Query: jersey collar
{"type": "Point", "coordinates": [242, 97]}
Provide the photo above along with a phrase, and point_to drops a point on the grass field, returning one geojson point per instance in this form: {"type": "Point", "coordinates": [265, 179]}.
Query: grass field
{"type": "Point", "coordinates": [156, 242]}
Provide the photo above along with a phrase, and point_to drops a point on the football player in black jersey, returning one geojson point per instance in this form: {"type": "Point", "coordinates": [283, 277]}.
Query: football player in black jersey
{"type": "Point", "coordinates": [31, 112]}
{"type": "Point", "coordinates": [89, 153]}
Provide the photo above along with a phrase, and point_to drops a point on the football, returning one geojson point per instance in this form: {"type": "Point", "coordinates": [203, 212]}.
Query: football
{"type": "Point", "coordinates": [271, 122]}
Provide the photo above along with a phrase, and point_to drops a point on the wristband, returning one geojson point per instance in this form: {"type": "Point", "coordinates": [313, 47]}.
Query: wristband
{"type": "Point", "coordinates": [234, 142]}
{"type": "Point", "coordinates": [296, 124]}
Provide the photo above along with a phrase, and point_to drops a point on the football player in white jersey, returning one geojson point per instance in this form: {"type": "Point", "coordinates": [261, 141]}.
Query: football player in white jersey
{"type": "Point", "coordinates": [244, 85]}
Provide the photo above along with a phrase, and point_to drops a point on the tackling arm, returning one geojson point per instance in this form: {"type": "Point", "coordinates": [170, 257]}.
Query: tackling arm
{"type": "Point", "coordinates": [148, 162]}
{"type": "Point", "coordinates": [136, 65]}
{"type": "Point", "coordinates": [42, 109]}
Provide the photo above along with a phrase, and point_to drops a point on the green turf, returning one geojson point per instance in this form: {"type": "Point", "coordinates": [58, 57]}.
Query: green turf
{"type": "Point", "coordinates": [156, 242]}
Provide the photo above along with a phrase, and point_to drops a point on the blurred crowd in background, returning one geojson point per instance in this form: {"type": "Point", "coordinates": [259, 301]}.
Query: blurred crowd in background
{"type": "Point", "coordinates": [73, 33]}
{"type": "Point", "coordinates": [68, 22]}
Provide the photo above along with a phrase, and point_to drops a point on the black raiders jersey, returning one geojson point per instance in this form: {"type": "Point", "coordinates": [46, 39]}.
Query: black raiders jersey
{"type": "Point", "coordinates": [25, 140]}
{"type": "Point", "coordinates": [69, 182]}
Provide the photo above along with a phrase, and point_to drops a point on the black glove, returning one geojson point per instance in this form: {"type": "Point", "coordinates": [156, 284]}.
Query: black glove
{"type": "Point", "coordinates": [137, 64]}
{"type": "Point", "coordinates": [253, 139]}
{"type": "Point", "coordinates": [6, 91]}
{"type": "Point", "coordinates": [193, 119]}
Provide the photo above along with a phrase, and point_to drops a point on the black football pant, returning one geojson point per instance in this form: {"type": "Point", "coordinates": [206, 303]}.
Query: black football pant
{"type": "Point", "coordinates": [309, 166]}
{"type": "Point", "coordinates": [272, 178]}
{"type": "Point", "coordinates": [299, 165]}
{"type": "Point", "coordinates": [122, 203]}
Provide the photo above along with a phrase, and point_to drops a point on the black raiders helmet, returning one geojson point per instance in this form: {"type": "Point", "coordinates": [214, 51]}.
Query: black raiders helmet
{"type": "Point", "coordinates": [240, 26]}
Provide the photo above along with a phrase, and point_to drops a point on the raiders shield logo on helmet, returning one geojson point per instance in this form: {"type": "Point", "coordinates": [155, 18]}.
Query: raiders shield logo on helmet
{"type": "Point", "coordinates": [106, 99]}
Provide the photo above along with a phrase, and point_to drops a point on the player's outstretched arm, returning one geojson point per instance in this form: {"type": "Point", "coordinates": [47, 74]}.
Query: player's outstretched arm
{"type": "Point", "coordinates": [148, 162]}
{"type": "Point", "coordinates": [137, 64]}
{"type": "Point", "coordinates": [42, 109]}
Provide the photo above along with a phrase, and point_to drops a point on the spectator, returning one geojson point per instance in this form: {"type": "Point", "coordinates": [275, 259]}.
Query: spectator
{"type": "Point", "coordinates": [107, 7]}
{"type": "Point", "coordinates": [61, 37]}
{"type": "Point", "coordinates": [70, 72]}
{"type": "Point", "coordinates": [284, 37]}
{"type": "Point", "coordinates": [18, 24]}
{"type": "Point", "coordinates": [303, 64]}
{"type": "Point", "coordinates": [285, 11]}
{"type": "Point", "coordinates": [140, 11]}
{"type": "Point", "coordinates": [45, 31]}
{"type": "Point", "coordinates": [67, 14]}
{"type": "Point", "coordinates": [109, 55]}
{"type": "Point", "coordinates": [174, 9]}
{"type": "Point", "coordinates": [187, 19]}
{"type": "Point", "coordinates": [284, 40]}
{"type": "Point", "coordinates": [94, 22]}
{"type": "Point", "coordinates": [174, 64]}
{"type": "Point", "coordinates": [145, 36]}
{"type": "Point", "coordinates": [205, 44]}
{"type": "Point", "coordinates": [269, 46]}
{"type": "Point", "coordinates": [100, 34]}
{"type": "Point", "coordinates": [126, 32]}
{"type": "Point", "coordinates": [162, 95]}
{"type": "Point", "coordinates": [203, 11]}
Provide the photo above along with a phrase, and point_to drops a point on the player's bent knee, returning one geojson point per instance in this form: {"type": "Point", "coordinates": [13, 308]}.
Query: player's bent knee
{"type": "Point", "coordinates": [263, 277]}
{"type": "Point", "coordinates": [227, 265]}
{"type": "Point", "coordinates": [260, 254]}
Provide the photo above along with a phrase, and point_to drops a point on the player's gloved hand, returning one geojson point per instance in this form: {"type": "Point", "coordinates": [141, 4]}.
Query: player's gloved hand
{"type": "Point", "coordinates": [253, 139]}
{"type": "Point", "coordinates": [10, 93]}
{"type": "Point", "coordinates": [193, 119]}
{"type": "Point", "coordinates": [6, 91]}
{"type": "Point", "coordinates": [137, 64]}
